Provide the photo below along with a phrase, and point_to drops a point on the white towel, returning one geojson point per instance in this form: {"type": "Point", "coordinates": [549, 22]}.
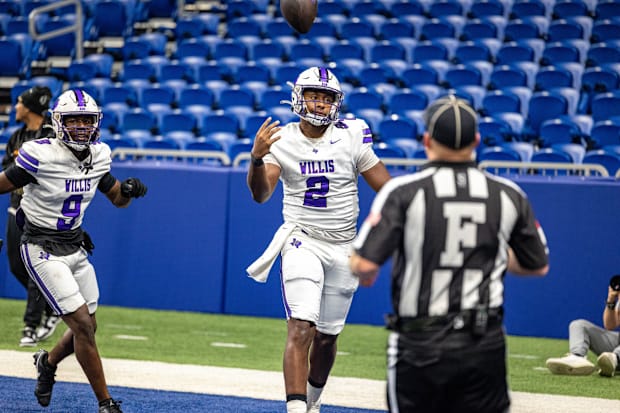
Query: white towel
{"type": "Point", "coordinates": [259, 269]}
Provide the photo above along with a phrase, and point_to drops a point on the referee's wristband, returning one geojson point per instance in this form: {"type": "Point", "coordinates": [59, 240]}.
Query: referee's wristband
{"type": "Point", "coordinates": [256, 162]}
{"type": "Point", "coordinates": [611, 305]}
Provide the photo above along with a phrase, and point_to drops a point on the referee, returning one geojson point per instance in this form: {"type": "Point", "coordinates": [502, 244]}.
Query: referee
{"type": "Point", "coordinates": [453, 232]}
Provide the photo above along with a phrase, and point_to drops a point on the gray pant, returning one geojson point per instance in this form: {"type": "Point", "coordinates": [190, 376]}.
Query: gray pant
{"type": "Point", "coordinates": [584, 335]}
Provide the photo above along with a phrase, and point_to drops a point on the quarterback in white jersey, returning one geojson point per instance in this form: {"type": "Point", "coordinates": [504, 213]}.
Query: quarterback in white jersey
{"type": "Point", "coordinates": [318, 161]}
{"type": "Point", "coordinates": [60, 177]}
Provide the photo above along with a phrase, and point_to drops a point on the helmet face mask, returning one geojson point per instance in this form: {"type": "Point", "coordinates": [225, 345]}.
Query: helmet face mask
{"type": "Point", "coordinates": [321, 81]}
{"type": "Point", "coordinates": [76, 119]}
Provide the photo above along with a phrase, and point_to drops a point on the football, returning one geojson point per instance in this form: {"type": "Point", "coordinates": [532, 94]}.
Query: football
{"type": "Point", "coordinates": [299, 14]}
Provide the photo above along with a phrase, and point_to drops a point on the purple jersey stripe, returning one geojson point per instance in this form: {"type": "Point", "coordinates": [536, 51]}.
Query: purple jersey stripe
{"type": "Point", "coordinates": [28, 157]}
{"type": "Point", "coordinates": [33, 274]}
{"type": "Point", "coordinates": [26, 165]}
{"type": "Point", "coordinates": [367, 139]}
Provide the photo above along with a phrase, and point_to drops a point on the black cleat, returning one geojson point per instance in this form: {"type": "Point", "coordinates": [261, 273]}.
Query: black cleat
{"type": "Point", "coordinates": [45, 378]}
{"type": "Point", "coordinates": [110, 406]}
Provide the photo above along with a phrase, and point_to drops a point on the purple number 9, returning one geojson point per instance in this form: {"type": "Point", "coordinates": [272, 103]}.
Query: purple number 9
{"type": "Point", "coordinates": [71, 209]}
{"type": "Point", "coordinates": [318, 187]}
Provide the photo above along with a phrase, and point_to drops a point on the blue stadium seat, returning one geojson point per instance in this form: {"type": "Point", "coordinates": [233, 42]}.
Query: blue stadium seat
{"type": "Point", "coordinates": [461, 75]}
{"type": "Point", "coordinates": [524, 149]}
{"type": "Point", "coordinates": [395, 126]}
{"type": "Point", "coordinates": [394, 28]}
{"type": "Point", "coordinates": [610, 160]}
{"type": "Point", "coordinates": [445, 8]}
{"type": "Point", "coordinates": [363, 98]}
{"type": "Point", "coordinates": [419, 74]}
{"type": "Point", "coordinates": [512, 52]}
{"type": "Point", "coordinates": [605, 30]}
{"type": "Point", "coordinates": [601, 53]}
{"type": "Point", "coordinates": [178, 121]}
{"type": "Point", "coordinates": [407, 100]}
{"type": "Point", "coordinates": [544, 106]}
{"type": "Point", "coordinates": [437, 28]}
{"type": "Point", "coordinates": [219, 122]}
{"type": "Point", "coordinates": [565, 29]}
{"type": "Point", "coordinates": [236, 96]}
{"type": "Point", "coordinates": [505, 76]}
{"type": "Point", "coordinates": [119, 26]}
{"type": "Point", "coordinates": [157, 94]}
{"type": "Point", "coordinates": [387, 50]}
{"type": "Point", "coordinates": [472, 51]}
{"type": "Point", "coordinates": [575, 150]}
{"type": "Point", "coordinates": [558, 130]}
{"type": "Point", "coordinates": [521, 29]}
{"type": "Point", "coordinates": [356, 27]}
{"type": "Point", "coordinates": [606, 105]}
{"type": "Point", "coordinates": [305, 49]}
{"type": "Point", "coordinates": [560, 52]}
{"type": "Point", "coordinates": [240, 146]}
{"type": "Point", "coordinates": [253, 123]}
{"type": "Point", "coordinates": [569, 8]}
{"type": "Point", "coordinates": [196, 95]}
{"type": "Point", "coordinates": [605, 132]}
{"type": "Point", "coordinates": [138, 118]}
{"type": "Point", "coordinates": [487, 8]}
{"type": "Point", "coordinates": [406, 8]}
{"type": "Point", "coordinates": [483, 28]}
{"type": "Point", "coordinates": [606, 10]}
{"type": "Point", "coordinates": [499, 101]}
{"type": "Point", "coordinates": [243, 26]}
{"type": "Point", "coordinates": [550, 77]}
{"type": "Point", "coordinates": [428, 50]}
{"type": "Point", "coordinates": [552, 155]}
{"type": "Point", "coordinates": [493, 131]}
{"type": "Point", "coordinates": [278, 27]}
{"type": "Point", "coordinates": [526, 8]}
{"type": "Point", "coordinates": [347, 50]}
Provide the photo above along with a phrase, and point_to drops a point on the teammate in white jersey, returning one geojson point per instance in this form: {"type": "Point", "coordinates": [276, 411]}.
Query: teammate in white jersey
{"type": "Point", "coordinates": [60, 177]}
{"type": "Point", "coordinates": [318, 161]}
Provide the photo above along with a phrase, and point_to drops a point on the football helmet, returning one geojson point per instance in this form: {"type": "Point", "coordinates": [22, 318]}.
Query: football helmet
{"type": "Point", "coordinates": [323, 80]}
{"type": "Point", "coordinates": [76, 119]}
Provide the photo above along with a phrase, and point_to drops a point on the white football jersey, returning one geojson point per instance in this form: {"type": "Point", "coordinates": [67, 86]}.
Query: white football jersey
{"type": "Point", "coordinates": [65, 185]}
{"type": "Point", "coordinates": [319, 176]}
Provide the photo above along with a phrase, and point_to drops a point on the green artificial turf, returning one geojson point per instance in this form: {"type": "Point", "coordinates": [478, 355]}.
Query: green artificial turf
{"type": "Point", "coordinates": [257, 343]}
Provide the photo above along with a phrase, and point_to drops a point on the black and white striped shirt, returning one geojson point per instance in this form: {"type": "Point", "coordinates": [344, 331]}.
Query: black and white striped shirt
{"type": "Point", "coordinates": [449, 227]}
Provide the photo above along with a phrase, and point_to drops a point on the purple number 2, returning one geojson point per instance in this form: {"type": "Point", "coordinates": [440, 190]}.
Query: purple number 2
{"type": "Point", "coordinates": [318, 187]}
{"type": "Point", "coordinates": [71, 209]}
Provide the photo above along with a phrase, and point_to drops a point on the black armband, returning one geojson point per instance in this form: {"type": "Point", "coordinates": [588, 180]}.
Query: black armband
{"type": "Point", "coordinates": [106, 183]}
{"type": "Point", "coordinates": [19, 176]}
{"type": "Point", "coordinates": [610, 304]}
{"type": "Point", "coordinates": [257, 161]}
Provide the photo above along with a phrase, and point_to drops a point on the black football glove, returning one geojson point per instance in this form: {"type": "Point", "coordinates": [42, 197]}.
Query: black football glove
{"type": "Point", "coordinates": [133, 188]}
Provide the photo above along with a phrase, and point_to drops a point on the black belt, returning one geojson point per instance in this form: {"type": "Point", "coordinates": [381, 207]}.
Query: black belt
{"type": "Point", "coordinates": [455, 321]}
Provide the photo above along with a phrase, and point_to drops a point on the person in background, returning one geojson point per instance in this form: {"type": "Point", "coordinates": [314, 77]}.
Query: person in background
{"type": "Point", "coordinates": [584, 335]}
{"type": "Point", "coordinates": [453, 231]}
{"type": "Point", "coordinates": [31, 109]}
{"type": "Point", "coordinates": [60, 177]}
{"type": "Point", "coordinates": [318, 160]}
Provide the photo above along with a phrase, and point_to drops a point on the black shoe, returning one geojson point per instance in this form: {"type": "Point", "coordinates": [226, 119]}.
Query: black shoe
{"type": "Point", "coordinates": [45, 378]}
{"type": "Point", "coordinates": [110, 406]}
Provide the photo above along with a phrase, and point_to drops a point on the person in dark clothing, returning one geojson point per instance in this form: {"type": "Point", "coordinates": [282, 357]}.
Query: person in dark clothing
{"type": "Point", "coordinates": [453, 231]}
{"type": "Point", "coordinates": [31, 108]}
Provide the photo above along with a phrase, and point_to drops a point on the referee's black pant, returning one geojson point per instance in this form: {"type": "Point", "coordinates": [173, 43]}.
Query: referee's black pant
{"type": "Point", "coordinates": [447, 372]}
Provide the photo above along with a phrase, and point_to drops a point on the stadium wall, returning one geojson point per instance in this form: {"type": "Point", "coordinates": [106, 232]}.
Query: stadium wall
{"type": "Point", "coordinates": [186, 246]}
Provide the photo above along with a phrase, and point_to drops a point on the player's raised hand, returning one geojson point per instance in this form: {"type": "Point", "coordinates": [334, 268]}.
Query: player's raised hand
{"type": "Point", "coordinates": [265, 137]}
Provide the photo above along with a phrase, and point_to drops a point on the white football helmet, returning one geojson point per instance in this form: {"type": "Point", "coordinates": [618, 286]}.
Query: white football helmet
{"type": "Point", "coordinates": [76, 119]}
{"type": "Point", "coordinates": [321, 79]}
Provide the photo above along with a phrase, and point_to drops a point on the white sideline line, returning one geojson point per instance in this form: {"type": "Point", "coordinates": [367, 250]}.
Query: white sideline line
{"type": "Point", "coordinates": [340, 391]}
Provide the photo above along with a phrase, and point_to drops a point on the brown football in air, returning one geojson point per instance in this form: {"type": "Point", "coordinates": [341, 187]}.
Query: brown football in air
{"type": "Point", "coordinates": [299, 14]}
